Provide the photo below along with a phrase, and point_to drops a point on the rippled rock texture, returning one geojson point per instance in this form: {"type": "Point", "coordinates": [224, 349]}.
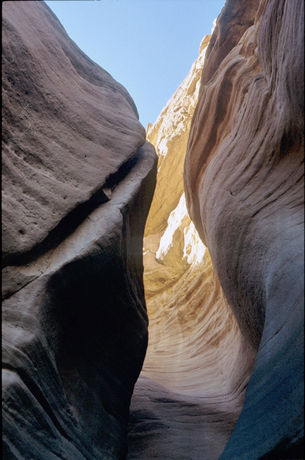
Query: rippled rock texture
{"type": "Point", "coordinates": [78, 178]}
{"type": "Point", "coordinates": [218, 309]}
{"type": "Point", "coordinates": [244, 191]}
{"type": "Point", "coordinates": [192, 386]}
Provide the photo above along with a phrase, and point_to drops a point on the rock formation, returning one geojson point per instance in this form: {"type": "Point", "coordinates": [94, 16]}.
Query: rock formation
{"type": "Point", "coordinates": [192, 385]}
{"type": "Point", "coordinates": [223, 252]}
{"type": "Point", "coordinates": [244, 190]}
{"type": "Point", "coordinates": [243, 181]}
{"type": "Point", "coordinates": [78, 178]}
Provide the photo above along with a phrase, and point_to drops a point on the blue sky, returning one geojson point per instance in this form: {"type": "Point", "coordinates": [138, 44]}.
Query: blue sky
{"type": "Point", "coordinates": [146, 45]}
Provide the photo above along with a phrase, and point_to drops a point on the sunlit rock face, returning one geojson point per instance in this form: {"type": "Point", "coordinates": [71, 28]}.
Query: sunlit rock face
{"type": "Point", "coordinates": [78, 178]}
{"type": "Point", "coordinates": [169, 134]}
{"type": "Point", "coordinates": [244, 191]}
{"type": "Point", "coordinates": [191, 389]}
{"type": "Point", "coordinates": [169, 233]}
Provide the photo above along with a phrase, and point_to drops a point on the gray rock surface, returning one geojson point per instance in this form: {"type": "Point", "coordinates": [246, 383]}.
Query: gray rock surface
{"type": "Point", "coordinates": [244, 180]}
{"type": "Point", "coordinates": [78, 178]}
{"type": "Point", "coordinates": [68, 126]}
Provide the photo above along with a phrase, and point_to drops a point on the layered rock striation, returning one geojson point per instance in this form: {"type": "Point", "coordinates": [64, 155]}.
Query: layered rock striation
{"type": "Point", "coordinates": [216, 308]}
{"type": "Point", "coordinates": [223, 252]}
{"type": "Point", "coordinates": [191, 389]}
{"type": "Point", "coordinates": [78, 178]}
{"type": "Point", "coordinates": [244, 191]}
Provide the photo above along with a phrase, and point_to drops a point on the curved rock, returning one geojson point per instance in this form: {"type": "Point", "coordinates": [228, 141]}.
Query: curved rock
{"type": "Point", "coordinates": [192, 386]}
{"type": "Point", "coordinates": [78, 179]}
{"type": "Point", "coordinates": [48, 144]}
{"type": "Point", "coordinates": [244, 191]}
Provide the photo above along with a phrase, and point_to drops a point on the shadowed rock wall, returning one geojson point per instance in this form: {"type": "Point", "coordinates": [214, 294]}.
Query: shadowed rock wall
{"type": "Point", "coordinates": [78, 178]}
{"type": "Point", "coordinates": [244, 191]}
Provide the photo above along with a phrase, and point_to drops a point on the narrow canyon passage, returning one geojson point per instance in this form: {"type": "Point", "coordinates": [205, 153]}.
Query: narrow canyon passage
{"type": "Point", "coordinates": [242, 174]}
{"type": "Point", "coordinates": [195, 226]}
{"type": "Point", "coordinates": [191, 388]}
{"type": "Point", "coordinates": [192, 385]}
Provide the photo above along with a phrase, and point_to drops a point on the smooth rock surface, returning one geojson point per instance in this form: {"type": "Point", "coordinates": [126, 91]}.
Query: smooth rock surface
{"type": "Point", "coordinates": [68, 126]}
{"type": "Point", "coordinates": [244, 191]}
{"type": "Point", "coordinates": [78, 179]}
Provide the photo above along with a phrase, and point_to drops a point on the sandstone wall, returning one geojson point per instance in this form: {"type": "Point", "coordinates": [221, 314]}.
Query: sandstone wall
{"type": "Point", "coordinates": [244, 191]}
{"type": "Point", "coordinates": [78, 178]}
{"type": "Point", "coordinates": [192, 385]}
{"type": "Point", "coordinates": [243, 187]}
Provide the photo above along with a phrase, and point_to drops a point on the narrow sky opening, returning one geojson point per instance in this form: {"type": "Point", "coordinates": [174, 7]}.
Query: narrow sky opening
{"type": "Point", "coordinates": [146, 45]}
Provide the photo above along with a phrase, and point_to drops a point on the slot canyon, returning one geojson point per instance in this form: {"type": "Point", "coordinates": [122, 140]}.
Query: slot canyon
{"type": "Point", "coordinates": [153, 281]}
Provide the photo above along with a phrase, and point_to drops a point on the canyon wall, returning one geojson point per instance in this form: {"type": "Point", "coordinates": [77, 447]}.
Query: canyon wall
{"type": "Point", "coordinates": [244, 191]}
{"type": "Point", "coordinates": [191, 389]}
{"type": "Point", "coordinates": [78, 178]}
{"type": "Point", "coordinates": [223, 252]}
{"type": "Point", "coordinates": [233, 307]}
